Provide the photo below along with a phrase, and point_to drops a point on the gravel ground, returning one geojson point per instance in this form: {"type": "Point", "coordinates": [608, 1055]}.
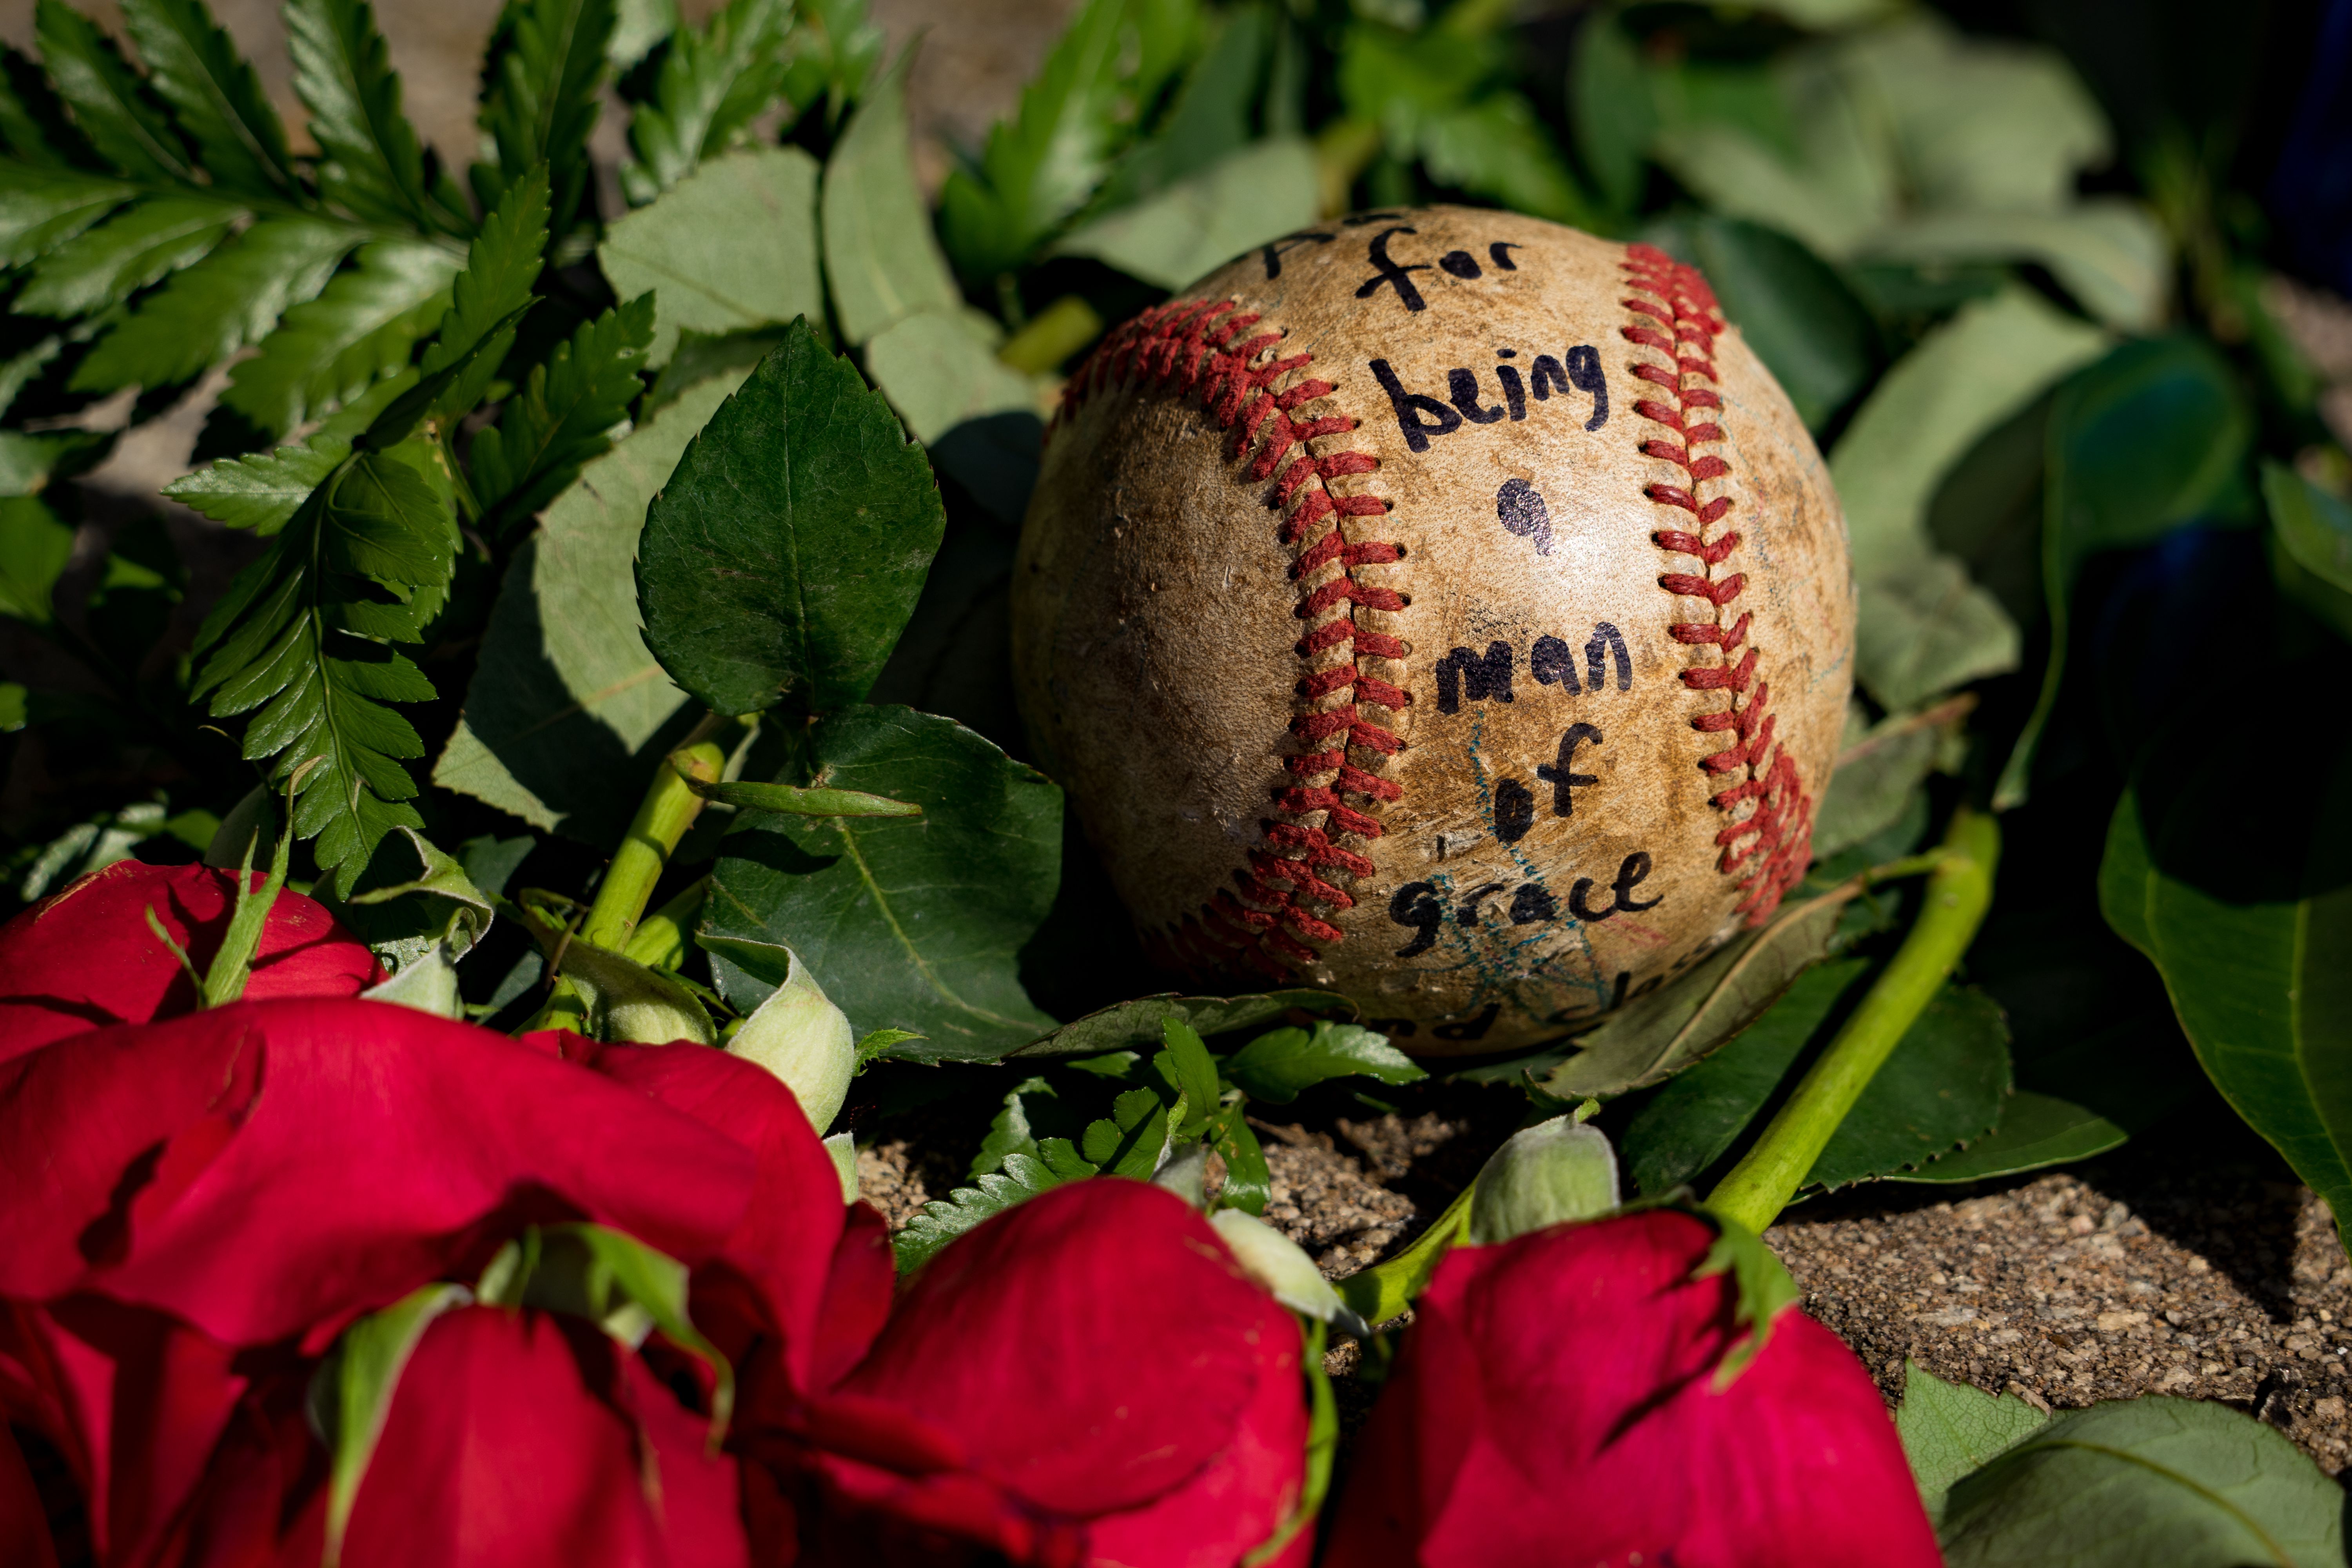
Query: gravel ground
{"type": "Point", "coordinates": [2132, 1275]}
{"type": "Point", "coordinates": [2115, 1280]}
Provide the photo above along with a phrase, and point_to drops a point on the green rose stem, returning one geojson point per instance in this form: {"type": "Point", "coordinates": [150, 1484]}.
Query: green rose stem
{"type": "Point", "coordinates": [659, 940]}
{"type": "Point", "coordinates": [669, 809]}
{"type": "Point", "coordinates": [1958, 891]}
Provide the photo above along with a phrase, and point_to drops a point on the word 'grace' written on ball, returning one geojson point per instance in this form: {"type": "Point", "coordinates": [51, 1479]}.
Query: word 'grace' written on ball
{"type": "Point", "coordinates": [1424, 908]}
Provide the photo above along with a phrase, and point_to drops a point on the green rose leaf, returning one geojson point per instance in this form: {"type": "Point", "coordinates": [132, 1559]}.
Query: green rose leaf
{"type": "Point", "coordinates": [2153, 1479]}
{"type": "Point", "coordinates": [1944, 1087]}
{"type": "Point", "coordinates": [2144, 441]}
{"type": "Point", "coordinates": [881, 259]}
{"type": "Point", "coordinates": [787, 551]}
{"type": "Point", "coordinates": [1943, 1084]}
{"type": "Point", "coordinates": [1878, 776]}
{"type": "Point", "coordinates": [912, 922]}
{"type": "Point", "coordinates": [1250, 197]}
{"type": "Point", "coordinates": [568, 709]}
{"type": "Point", "coordinates": [2313, 557]}
{"type": "Point", "coordinates": [1925, 627]}
{"type": "Point", "coordinates": [1819, 341]}
{"type": "Point", "coordinates": [1276, 1066]}
{"type": "Point", "coordinates": [1654, 1036]}
{"type": "Point", "coordinates": [730, 248]}
{"type": "Point", "coordinates": [1135, 1022]}
{"type": "Point", "coordinates": [2233, 874]}
{"type": "Point", "coordinates": [1949, 1430]}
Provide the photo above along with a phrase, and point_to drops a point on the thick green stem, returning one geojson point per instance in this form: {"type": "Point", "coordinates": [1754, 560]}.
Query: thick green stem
{"type": "Point", "coordinates": [659, 940]}
{"type": "Point", "coordinates": [669, 809]}
{"type": "Point", "coordinates": [1958, 891]}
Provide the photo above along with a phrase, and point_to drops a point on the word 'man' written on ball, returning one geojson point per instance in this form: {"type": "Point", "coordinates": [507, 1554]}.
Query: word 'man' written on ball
{"type": "Point", "coordinates": [1467, 674]}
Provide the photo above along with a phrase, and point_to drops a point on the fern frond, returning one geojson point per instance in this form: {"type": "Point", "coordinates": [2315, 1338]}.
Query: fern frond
{"type": "Point", "coordinates": [545, 77]}
{"type": "Point", "coordinates": [217, 99]}
{"type": "Point", "coordinates": [364, 322]}
{"type": "Point", "coordinates": [207, 311]}
{"type": "Point", "coordinates": [374, 166]}
{"type": "Point", "coordinates": [714, 81]}
{"type": "Point", "coordinates": [563, 416]}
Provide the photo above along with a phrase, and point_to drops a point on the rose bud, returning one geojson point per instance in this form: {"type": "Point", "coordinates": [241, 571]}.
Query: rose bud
{"type": "Point", "coordinates": [1087, 1378]}
{"type": "Point", "coordinates": [1554, 1171]}
{"type": "Point", "coordinates": [1592, 1393]}
{"type": "Point", "coordinates": [798, 1034]}
{"type": "Point", "coordinates": [87, 957]}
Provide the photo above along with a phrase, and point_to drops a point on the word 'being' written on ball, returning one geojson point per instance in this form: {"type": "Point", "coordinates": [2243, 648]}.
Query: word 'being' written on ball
{"type": "Point", "coordinates": [1424, 419]}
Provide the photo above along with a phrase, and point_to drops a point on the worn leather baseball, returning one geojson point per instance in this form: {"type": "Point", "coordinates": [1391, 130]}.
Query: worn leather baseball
{"type": "Point", "coordinates": [1442, 606]}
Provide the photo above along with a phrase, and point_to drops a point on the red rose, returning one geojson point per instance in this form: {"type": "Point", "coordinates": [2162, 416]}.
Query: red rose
{"type": "Point", "coordinates": [1088, 1378]}
{"type": "Point", "coordinates": [196, 1208]}
{"type": "Point", "coordinates": [88, 958]}
{"type": "Point", "coordinates": [523, 1437]}
{"type": "Point", "coordinates": [1558, 1399]}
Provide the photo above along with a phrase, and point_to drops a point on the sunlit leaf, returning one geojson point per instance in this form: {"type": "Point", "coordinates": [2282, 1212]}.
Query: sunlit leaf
{"type": "Point", "coordinates": [730, 248]}
{"type": "Point", "coordinates": [2182, 1482]}
{"type": "Point", "coordinates": [784, 554]}
{"type": "Point", "coordinates": [914, 923]}
{"type": "Point", "coordinates": [568, 710]}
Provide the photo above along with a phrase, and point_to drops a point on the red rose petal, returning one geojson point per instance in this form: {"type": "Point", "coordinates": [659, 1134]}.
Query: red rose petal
{"type": "Point", "coordinates": [375, 1148]}
{"type": "Point", "coordinates": [1555, 1400]}
{"type": "Point", "coordinates": [86, 958]}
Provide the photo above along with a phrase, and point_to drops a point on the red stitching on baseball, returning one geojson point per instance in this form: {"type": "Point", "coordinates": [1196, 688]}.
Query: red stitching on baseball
{"type": "Point", "coordinates": [1768, 849]}
{"type": "Point", "coordinates": [1189, 347]}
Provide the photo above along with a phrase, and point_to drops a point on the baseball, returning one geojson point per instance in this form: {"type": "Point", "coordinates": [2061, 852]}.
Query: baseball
{"type": "Point", "coordinates": [1442, 606]}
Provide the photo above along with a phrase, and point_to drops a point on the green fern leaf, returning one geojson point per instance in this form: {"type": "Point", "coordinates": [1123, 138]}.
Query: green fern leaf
{"type": "Point", "coordinates": [1039, 168]}
{"type": "Point", "coordinates": [211, 310]}
{"type": "Point", "coordinates": [41, 209]}
{"type": "Point", "coordinates": [365, 322]}
{"type": "Point", "coordinates": [712, 83]}
{"type": "Point", "coordinates": [263, 491]}
{"type": "Point", "coordinates": [21, 368]}
{"type": "Point", "coordinates": [1020, 1179]}
{"type": "Point", "coordinates": [32, 121]}
{"type": "Point", "coordinates": [564, 415]}
{"type": "Point", "coordinates": [545, 74]}
{"type": "Point", "coordinates": [501, 264]}
{"type": "Point", "coordinates": [834, 54]}
{"type": "Point", "coordinates": [369, 554]}
{"type": "Point", "coordinates": [109, 102]}
{"type": "Point", "coordinates": [218, 100]}
{"type": "Point", "coordinates": [123, 254]}
{"type": "Point", "coordinates": [374, 166]}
